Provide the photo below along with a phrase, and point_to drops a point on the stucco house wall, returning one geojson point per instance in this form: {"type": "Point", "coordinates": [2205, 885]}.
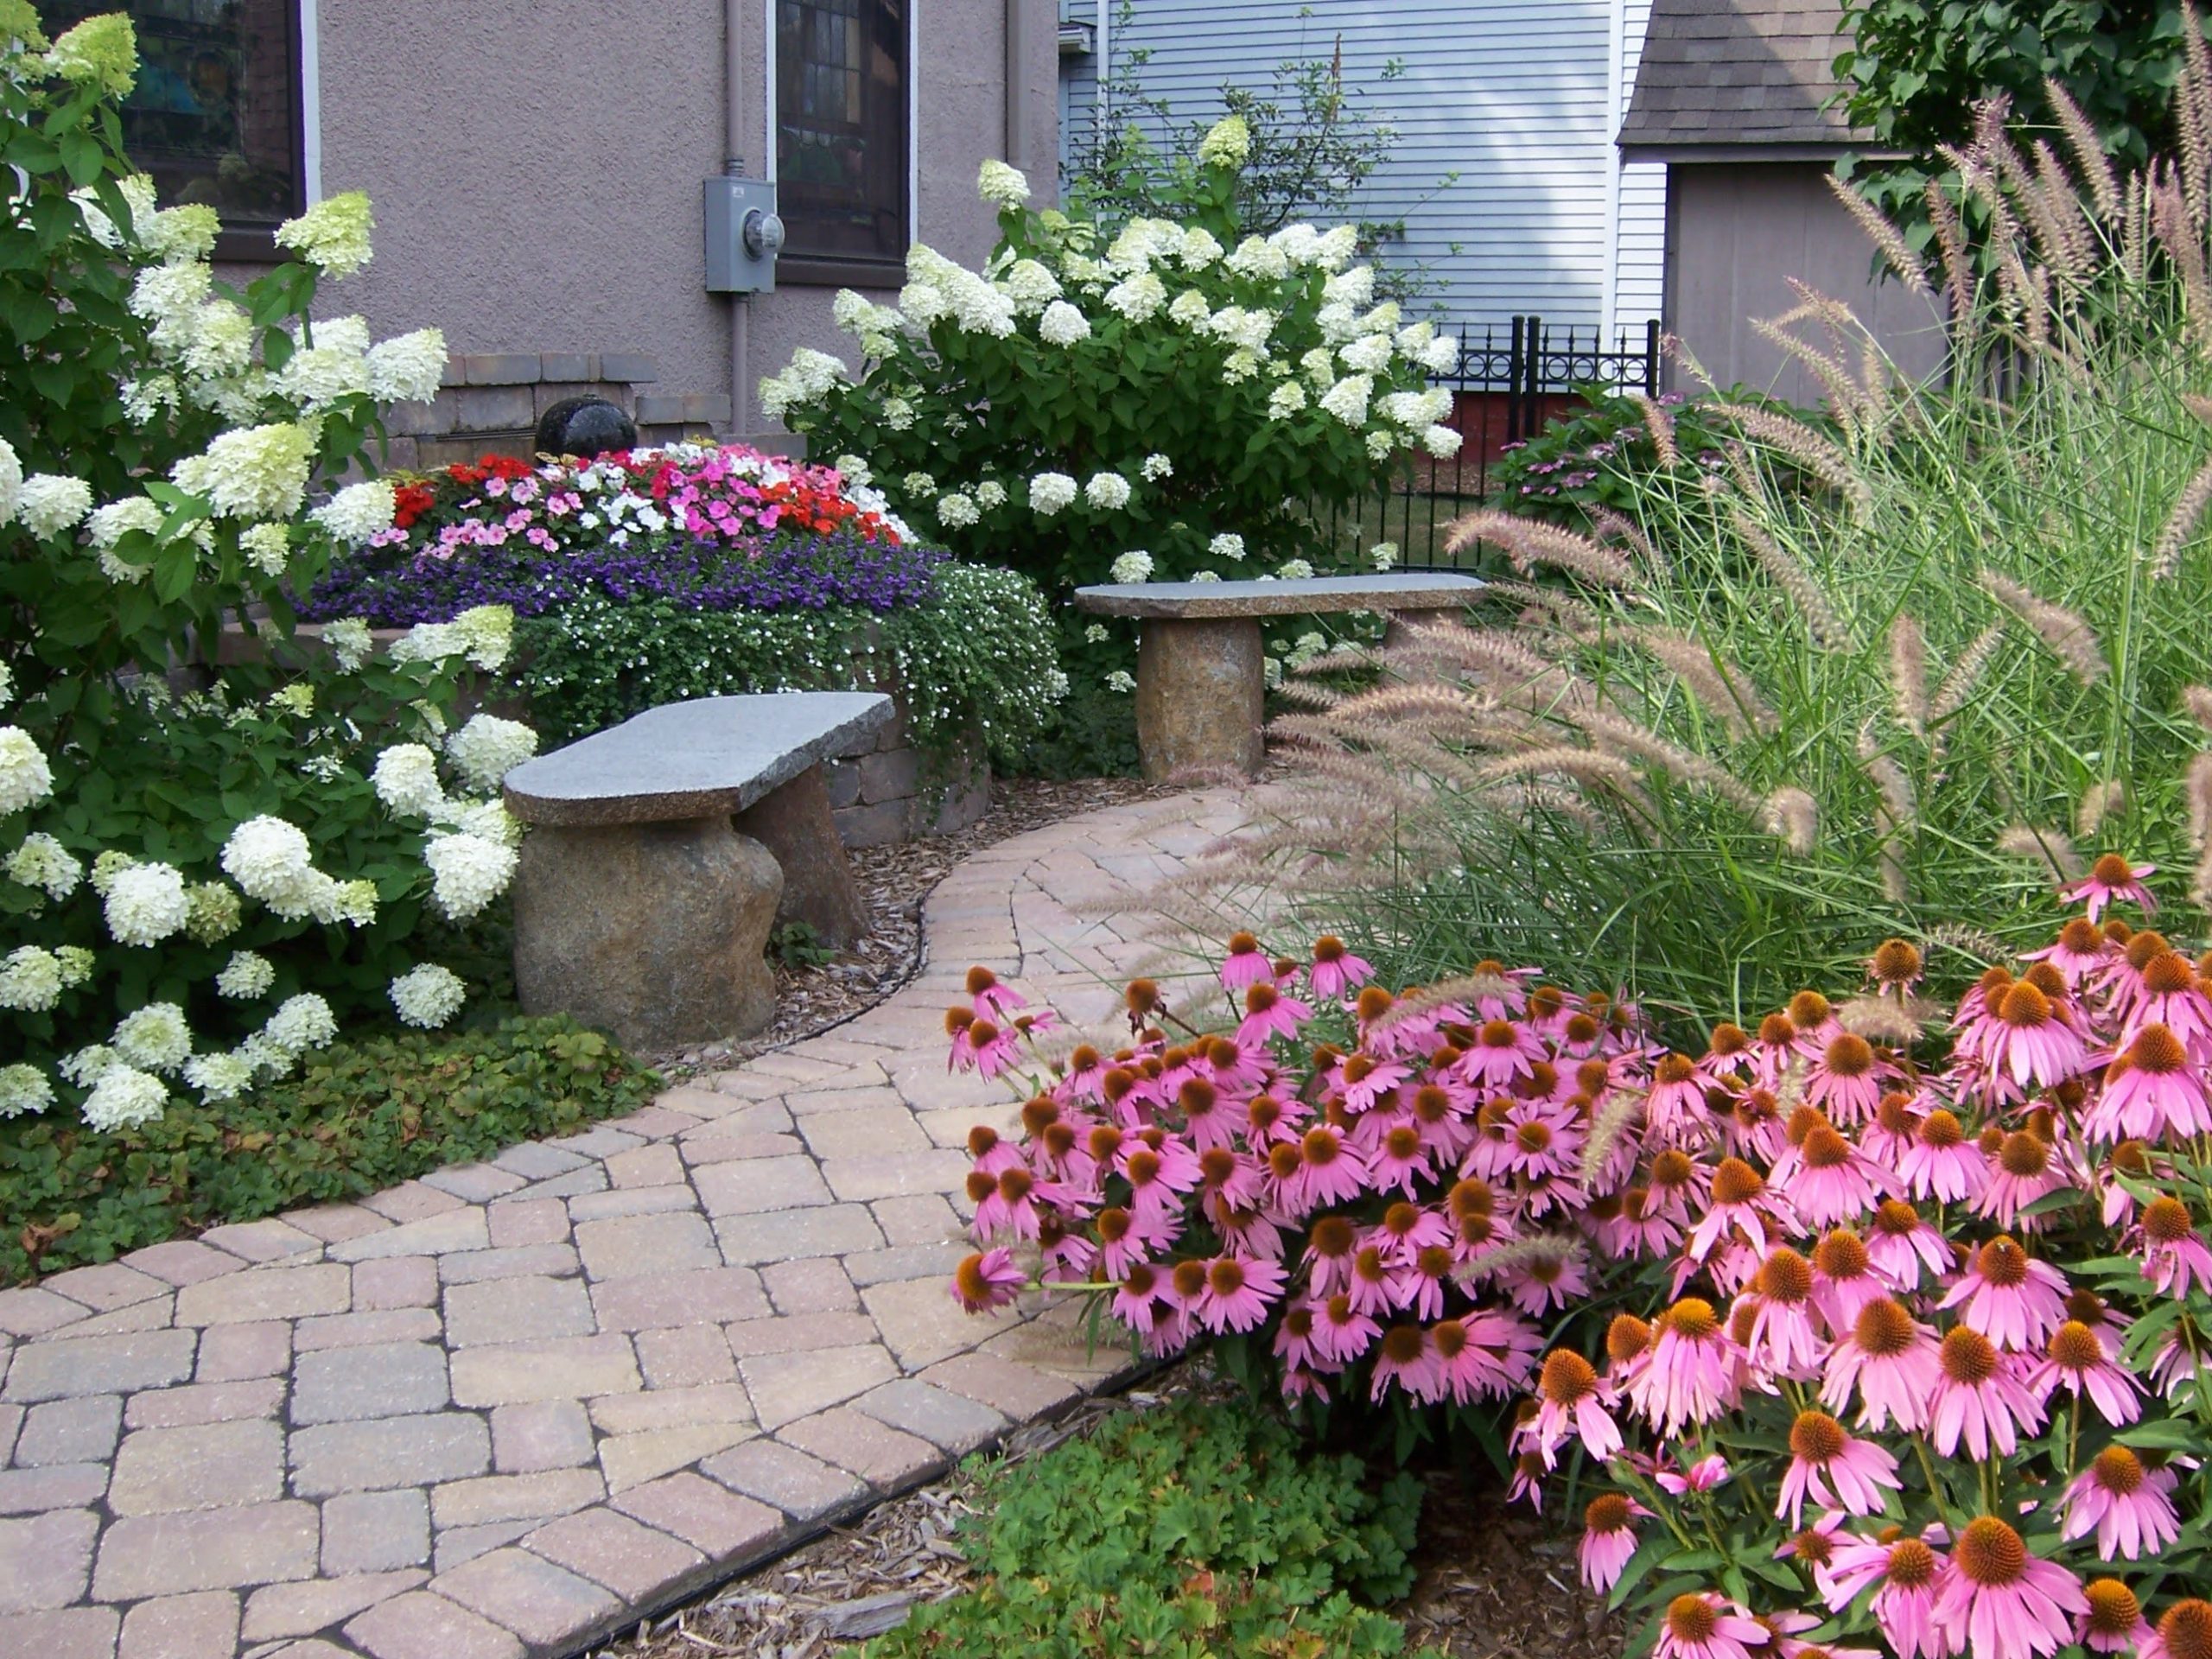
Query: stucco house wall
{"type": "Point", "coordinates": [536, 167]}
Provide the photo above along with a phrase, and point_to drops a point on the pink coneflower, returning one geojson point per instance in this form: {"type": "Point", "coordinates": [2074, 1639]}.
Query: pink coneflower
{"type": "Point", "coordinates": [2078, 1360]}
{"type": "Point", "coordinates": [1418, 1286]}
{"type": "Point", "coordinates": [1341, 1332]}
{"type": "Point", "coordinates": [993, 999]}
{"type": "Point", "coordinates": [2112, 878]}
{"type": "Point", "coordinates": [2169, 1247]}
{"type": "Point", "coordinates": [1270, 1122]}
{"type": "Point", "coordinates": [1844, 1279]}
{"type": "Point", "coordinates": [1333, 1171]}
{"type": "Point", "coordinates": [1406, 1231]}
{"type": "Point", "coordinates": [1335, 969]}
{"type": "Point", "coordinates": [1068, 1257]}
{"type": "Point", "coordinates": [1008, 1206]}
{"type": "Point", "coordinates": [1676, 1180]}
{"type": "Point", "coordinates": [1440, 1112]}
{"type": "Point", "coordinates": [2081, 953]}
{"type": "Point", "coordinates": [1707, 1474]}
{"type": "Point", "coordinates": [1209, 1120]}
{"type": "Point", "coordinates": [1910, 1576]}
{"type": "Point", "coordinates": [2170, 994]}
{"type": "Point", "coordinates": [1548, 1276]}
{"type": "Point", "coordinates": [1753, 1130]}
{"type": "Point", "coordinates": [1293, 1343]}
{"type": "Point", "coordinates": [2126, 1504]}
{"type": "Point", "coordinates": [1890, 1133]}
{"type": "Point", "coordinates": [1694, 1372]}
{"type": "Point", "coordinates": [1608, 1539]}
{"type": "Point", "coordinates": [1741, 1201]}
{"type": "Point", "coordinates": [1627, 1226]}
{"type": "Point", "coordinates": [1238, 1293]}
{"type": "Point", "coordinates": [1085, 1078]}
{"type": "Point", "coordinates": [1834, 1180]}
{"type": "Point", "coordinates": [1783, 1340]}
{"type": "Point", "coordinates": [1541, 1142]}
{"type": "Point", "coordinates": [1834, 1469]}
{"type": "Point", "coordinates": [2184, 1632]}
{"type": "Point", "coordinates": [1486, 1354]}
{"type": "Point", "coordinates": [1706, 1627]}
{"type": "Point", "coordinates": [1157, 1180]}
{"type": "Point", "coordinates": [992, 1151]}
{"type": "Point", "coordinates": [1120, 1243]}
{"type": "Point", "coordinates": [1903, 1248]}
{"type": "Point", "coordinates": [1943, 1163]}
{"type": "Point", "coordinates": [1979, 1401]}
{"type": "Point", "coordinates": [2009, 1296]}
{"type": "Point", "coordinates": [2115, 1623]}
{"type": "Point", "coordinates": [1246, 963]}
{"type": "Point", "coordinates": [1675, 1110]}
{"type": "Point", "coordinates": [1406, 1358]}
{"type": "Point", "coordinates": [987, 1279]}
{"type": "Point", "coordinates": [1135, 1302]}
{"type": "Point", "coordinates": [1573, 1402]}
{"type": "Point", "coordinates": [980, 1046]}
{"type": "Point", "coordinates": [2025, 1171]}
{"type": "Point", "coordinates": [2000, 1602]}
{"type": "Point", "coordinates": [1502, 1051]}
{"type": "Point", "coordinates": [1361, 1081]}
{"type": "Point", "coordinates": [1848, 1080]}
{"type": "Point", "coordinates": [1269, 1011]}
{"type": "Point", "coordinates": [1891, 1361]}
{"type": "Point", "coordinates": [1728, 1052]}
{"type": "Point", "coordinates": [1812, 1021]}
{"type": "Point", "coordinates": [2029, 1038]}
{"type": "Point", "coordinates": [2151, 1092]}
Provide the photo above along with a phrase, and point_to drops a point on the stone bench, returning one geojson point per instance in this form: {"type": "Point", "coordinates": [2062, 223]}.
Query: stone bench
{"type": "Point", "coordinates": [1201, 678]}
{"type": "Point", "coordinates": [661, 851]}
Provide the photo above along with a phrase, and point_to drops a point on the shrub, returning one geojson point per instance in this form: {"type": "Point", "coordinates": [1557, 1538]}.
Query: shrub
{"type": "Point", "coordinates": [1849, 684]}
{"type": "Point", "coordinates": [1597, 460]}
{"type": "Point", "coordinates": [174, 865]}
{"type": "Point", "coordinates": [1197, 1528]}
{"type": "Point", "coordinates": [361, 1116]}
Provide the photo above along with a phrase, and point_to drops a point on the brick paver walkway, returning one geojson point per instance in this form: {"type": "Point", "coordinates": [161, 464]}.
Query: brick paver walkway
{"type": "Point", "coordinates": [507, 1408]}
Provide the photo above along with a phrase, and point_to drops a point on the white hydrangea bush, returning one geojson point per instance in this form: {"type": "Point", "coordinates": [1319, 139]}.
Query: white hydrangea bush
{"type": "Point", "coordinates": [213, 863]}
{"type": "Point", "coordinates": [1176, 397]}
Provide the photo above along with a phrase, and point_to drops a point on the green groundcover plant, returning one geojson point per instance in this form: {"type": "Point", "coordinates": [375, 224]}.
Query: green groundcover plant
{"type": "Point", "coordinates": [1200, 1529]}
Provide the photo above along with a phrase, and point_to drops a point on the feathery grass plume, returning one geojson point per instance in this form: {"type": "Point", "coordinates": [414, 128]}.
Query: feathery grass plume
{"type": "Point", "coordinates": [1678, 353]}
{"type": "Point", "coordinates": [1844, 399]}
{"type": "Point", "coordinates": [1958, 266]}
{"type": "Point", "coordinates": [1537, 1247]}
{"type": "Point", "coordinates": [1553, 606]}
{"type": "Point", "coordinates": [2134, 232]}
{"type": "Point", "coordinates": [1908, 674]}
{"type": "Point", "coordinates": [2196, 702]}
{"type": "Point", "coordinates": [1888, 240]}
{"type": "Point", "coordinates": [1506, 667]}
{"type": "Point", "coordinates": [1611, 526]}
{"type": "Point", "coordinates": [1445, 994]}
{"type": "Point", "coordinates": [2066, 633]}
{"type": "Point", "coordinates": [2088, 149]}
{"type": "Point", "coordinates": [2200, 884]}
{"type": "Point", "coordinates": [2099, 802]}
{"type": "Point", "coordinates": [2049, 847]}
{"type": "Point", "coordinates": [1384, 784]}
{"type": "Point", "coordinates": [1890, 781]}
{"type": "Point", "coordinates": [2181, 524]}
{"type": "Point", "coordinates": [2199, 406]}
{"type": "Point", "coordinates": [1967, 940]}
{"type": "Point", "coordinates": [1613, 732]}
{"type": "Point", "coordinates": [1719, 687]}
{"type": "Point", "coordinates": [1795, 817]}
{"type": "Point", "coordinates": [2196, 789]}
{"type": "Point", "coordinates": [2076, 253]}
{"type": "Point", "coordinates": [2194, 97]}
{"type": "Point", "coordinates": [1966, 673]}
{"type": "Point", "coordinates": [1588, 767]}
{"type": "Point", "coordinates": [1820, 619]}
{"type": "Point", "coordinates": [1309, 694]}
{"type": "Point", "coordinates": [1879, 1020]}
{"type": "Point", "coordinates": [1532, 540]}
{"type": "Point", "coordinates": [1889, 857]}
{"type": "Point", "coordinates": [1660, 424]}
{"type": "Point", "coordinates": [1804, 445]}
{"type": "Point", "coordinates": [1343, 658]}
{"type": "Point", "coordinates": [2174, 227]}
{"type": "Point", "coordinates": [1616, 1114]}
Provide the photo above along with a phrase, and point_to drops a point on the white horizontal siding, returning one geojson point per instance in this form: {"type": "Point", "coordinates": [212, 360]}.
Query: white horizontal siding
{"type": "Point", "coordinates": [1639, 252]}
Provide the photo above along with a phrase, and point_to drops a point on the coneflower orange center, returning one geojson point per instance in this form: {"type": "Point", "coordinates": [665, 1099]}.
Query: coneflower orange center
{"type": "Point", "coordinates": [1802, 1121]}
{"type": "Point", "coordinates": [2023, 1007]}
{"type": "Point", "coordinates": [2002, 1261]}
{"type": "Point", "coordinates": [1014, 1185]}
{"type": "Point", "coordinates": [1786, 1277]}
{"type": "Point", "coordinates": [1190, 1278]}
{"type": "Point", "coordinates": [1895, 963]}
{"type": "Point", "coordinates": [2112, 871]}
{"type": "Point", "coordinates": [1581, 1028]}
{"type": "Point", "coordinates": [1544, 1002]}
{"type": "Point", "coordinates": [1969, 1358]}
{"type": "Point", "coordinates": [1433, 1261]}
{"type": "Point", "coordinates": [974, 1285]}
{"type": "Point", "coordinates": [1912, 1564]}
{"type": "Point", "coordinates": [1470, 1196]}
{"type": "Point", "coordinates": [2169, 974]}
{"type": "Point", "coordinates": [1607, 1512]}
{"type": "Point", "coordinates": [1851, 1056]}
{"type": "Point", "coordinates": [1567, 1377]}
{"type": "Point", "coordinates": [1285, 1160]}
{"type": "Point", "coordinates": [2024, 1155]}
{"type": "Point", "coordinates": [1809, 1010]}
{"type": "Point", "coordinates": [1896, 1217]}
{"type": "Point", "coordinates": [1729, 1038]}
{"type": "Point", "coordinates": [1691, 1620]}
{"type": "Point", "coordinates": [1059, 1139]}
{"type": "Point", "coordinates": [2142, 949]}
{"type": "Point", "coordinates": [1813, 1546]}
{"type": "Point", "coordinates": [2113, 1609]}
{"type": "Point", "coordinates": [1626, 1337]}
{"type": "Point", "coordinates": [1841, 1254]}
{"type": "Point", "coordinates": [2081, 937]}
{"type": "Point", "coordinates": [1673, 1168]}
{"type": "Point", "coordinates": [1498, 1033]}
{"type": "Point", "coordinates": [1400, 1219]}
{"type": "Point", "coordinates": [1403, 1344]}
{"type": "Point", "coordinates": [1895, 1113]}
{"type": "Point", "coordinates": [1113, 1224]}
{"type": "Point", "coordinates": [1673, 1068]}
{"type": "Point", "coordinates": [1942, 1128]}
{"type": "Point", "coordinates": [2046, 979]}
{"type": "Point", "coordinates": [1826, 1149]}
{"type": "Point", "coordinates": [1143, 1166]}
{"type": "Point", "coordinates": [1226, 1276]}
{"type": "Point", "coordinates": [1320, 1146]}
{"type": "Point", "coordinates": [2118, 1470]}
{"type": "Point", "coordinates": [2166, 1221]}
{"type": "Point", "coordinates": [2075, 1347]}
{"type": "Point", "coordinates": [1432, 1105]}
{"type": "Point", "coordinates": [1884, 1329]}
{"type": "Point", "coordinates": [1328, 948]}
{"type": "Point", "coordinates": [1816, 1437]}
{"type": "Point", "coordinates": [1374, 1003]}
{"type": "Point", "coordinates": [2157, 1051]}
{"type": "Point", "coordinates": [1776, 1030]}
{"type": "Point", "coordinates": [1693, 1318]}
{"type": "Point", "coordinates": [1990, 1553]}
{"type": "Point", "coordinates": [981, 1186]}
{"type": "Point", "coordinates": [1403, 1142]}
{"type": "Point", "coordinates": [1734, 1182]}
{"type": "Point", "coordinates": [2085, 1306]}
{"type": "Point", "coordinates": [2187, 1629]}
{"type": "Point", "coordinates": [1450, 1337]}
{"type": "Point", "coordinates": [1533, 1137]}
{"type": "Point", "coordinates": [1217, 1165]}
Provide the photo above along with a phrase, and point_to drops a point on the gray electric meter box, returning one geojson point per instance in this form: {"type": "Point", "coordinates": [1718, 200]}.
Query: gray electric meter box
{"type": "Point", "coordinates": [743, 234]}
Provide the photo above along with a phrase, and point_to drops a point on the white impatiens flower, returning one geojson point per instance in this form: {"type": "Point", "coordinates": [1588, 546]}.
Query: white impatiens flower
{"type": "Point", "coordinates": [1135, 565]}
{"type": "Point", "coordinates": [426, 997]}
{"type": "Point", "coordinates": [1050, 491]}
{"type": "Point", "coordinates": [30, 980]}
{"type": "Point", "coordinates": [957, 510]}
{"type": "Point", "coordinates": [23, 1089]}
{"type": "Point", "coordinates": [350, 641]}
{"type": "Point", "coordinates": [124, 1098]}
{"type": "Point", "coordinates": [990, 495]}
{"type": "Point", "coordinates": [1157, 466]}
{"type": "Point", "coordinates": [25, 777]}
{"type": "Point", "coordinates": [406, 780]}
{"type": "Point", "coordinates": [219, 1076]}
{"type": "Point", "coordinates": [358, 511]}
{"type": "Point", "coordinates": [1137, 297]}
{"type": "Point", "coordinates": [268, 549]}
{"type": "Point", "coordinates": [333, 235]}
{"type": "Point", "coordinates": [1347, 399]}
{"type": "Point", "coordinates": [42, 861]}
{"type": "Point", "coordinates": [11, 481]}
{"type": "Point", "coordinates": [246, 975]}
{"type": "Point", "coordinates": [1121, 680]}
{"type": "Point", "coordinates": [1001, 185]}
{"type": "Point", "coordinates": [253, 472]}
{"type": "Point", "coordinates": [1227, 545]}
{"type": "Point", "coordinates": [154, 1037]}
{"type": "Point", "coordinates": [1228, 143]}
{"type": "Point", "coordinates": [50, 503]}
{"type": "Point", "coordinates": [487, 748]}
{"type": "Point", "coordinates": [301, 1023]}
{"type": "Point", "coordinates": [407, 368]}
{"type": "Point", "coordinates": [146, 904]}
{"type": "Point", "coordinates": [1110, 492]}
{"type": "Point", "coordinates": [1286, 400]}
{"type": "Point", "coordinates": [1442, 441]}
{"type": "Point", "coordinates": [467, 873]}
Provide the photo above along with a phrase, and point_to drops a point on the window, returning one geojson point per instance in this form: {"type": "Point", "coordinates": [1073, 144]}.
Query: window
{"type": "Point", "coordinates": [842, 138]}
{"type": "Point", "coordinates": [215, 115]}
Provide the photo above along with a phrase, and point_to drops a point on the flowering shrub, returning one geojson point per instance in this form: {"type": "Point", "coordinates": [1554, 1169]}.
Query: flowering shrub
{"type": "Point", "coordinates": [1154, 407]}
{"type": "Point", "coordinates": [202, 884]}
{"type": "Point", "coordinates": [1926, 1362]}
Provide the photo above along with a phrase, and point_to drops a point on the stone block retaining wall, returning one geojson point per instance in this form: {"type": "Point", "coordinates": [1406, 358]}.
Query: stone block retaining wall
{"type": "Point", "coordinates": [491, 401]}
{"type": "Point", "coordinates": [882, 793]}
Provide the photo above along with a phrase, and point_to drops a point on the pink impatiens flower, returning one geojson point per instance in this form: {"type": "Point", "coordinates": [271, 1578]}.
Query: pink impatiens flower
{"type": "Point", "coordinates": [2129, 1506]}
{"type": "Point", "coordinates": [1833, 1469]}
{"type": "Point", "coordinates": [2000, 1602]}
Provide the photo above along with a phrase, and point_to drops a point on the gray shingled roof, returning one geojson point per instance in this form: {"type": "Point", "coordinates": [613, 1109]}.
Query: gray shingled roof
{"type": "Point", "coordinates": [1735, 75]}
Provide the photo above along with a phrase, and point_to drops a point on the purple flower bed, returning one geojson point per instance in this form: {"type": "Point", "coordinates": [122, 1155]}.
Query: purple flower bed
{"type": "Point", "coordinates": [396, 587]}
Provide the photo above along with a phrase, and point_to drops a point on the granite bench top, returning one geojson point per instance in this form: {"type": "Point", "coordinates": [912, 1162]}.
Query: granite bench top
{"type": "Point", "coordinates": [1194, 600]}
{"type": "Point", "coordinates": [711, 756]}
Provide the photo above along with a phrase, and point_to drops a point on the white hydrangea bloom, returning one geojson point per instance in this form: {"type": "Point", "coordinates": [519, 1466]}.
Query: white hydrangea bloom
{"type": "Point", "coordinates": [76, 964]}
{"type": "Point", "coordinates": [1239, 367]}
{"type": "Point", "coordinates": [898, 414]}
{"type": "Point", "coordinates": [245, 977]}
{"type": "Point", "coordinates": [990, 495]}
{"type": "Point", "coordinates": [353, 903]}
{"type": "Point", "coordinates": [1440, 355]}
{"type": "Point", "coordinates": [109, 524]}
{"type": "Point", "coordinates": [1189, 308]}
{"type": "Point", "coordinates": [42, 861]}
{"type": "Point", "coordinates": [1381, 444]}
{"type": "Point", "coordinates": [407, 368]}
{"type": "Point", "coordinates": [487, 632]}
{"type": "Point", "coordinates": [1110, 492]}
{"type": "Point", "coordinates": [1415, 410]}
{"type": "Point", "coordinates": [171, 297]}
{"type": "Point", "coordinates": [219, 1076]}
{"type": "Point", "coordinates": [1228, 143]}
{"type": "Point", "coordinates": [855, 471]}
{"type": "Point", "coordinates": [137, 190]}
{"type": "Point", "coordinates": [301, 1023]}
{"type": "Point", "coordinates": [358, 511]}
{"type": "Point", "coordinates": [978, 306]}
{"type": "Point", "coordinates": [1001, 185]}
{"type": "Point", "coordinates": [1442, 441]}
{"type": "Point", "coordinates": [1157, 466]}
{"type": "Point", "coordinates": [1140, 241]}
{"type": "Point", "coordinates": [1347, 399]}
{"type": "Point", "coordinates": [1227, 545]}
{"type": "Point", "coordinates": [918, 483]}
{"type": "Point", "coordinates": [1257, 256]}
{"type": "Point", "coordinates": [1383, 555]}
{"type": "Point", "coordinates": [1368, 354]}
{"type": "Point", "coordinates": [1199, 248]}
{"type": "Point", "coordinates": [254, 472]}
{"type": "Point", "coordinates": [266, 855]}
{"type": "Point", "coordinates": [486, 748]}
{"type": "Point", "coordinates": [1063, 325]}
{"type": "Point", "coordinates": [1336, 248]}
{"type": "Point", "coordinates": [957, 510]}
{"type": "Point", "coordinates": [1030, 286]}
{"type": "Point", "coordinates": [429, 642]}
{"type": "Point", "coordinates": [23, 1089]}
{"type": "Point", "coordinates": [350, 641]}
{"type": "Point", "coordinates": [1137, 297]}
{"type": "Point", "coordinates": [467, 873]}
{"type": "Point", "coordinates": [268, 1060]}
{"type": "Point", "coordinates": [1135, 565]}
{"type": "Point", "coordinates": [924, 303]}
{"type": "Point", "coordinates": [25, 777]}
{"type": "Point", "coordinates": [109, 865]}
{"type": "Point", "coordinates": [7, 684]}
{"type": "Point", "coordinates": [489, 819]}
{"type": "Point", "coordinates": [1050, 491]}
{"type": "Point", "coordinates": [11, 482]}
{"type": "Point", "coordinates": [1096, 633]}
{"type": "Point", "coordinates": [85, 1066]}
{"type": "Point", "coordinates": [1205, 576]}
{"type": "Point", "coordinates": [321, 375]}
{"type": "Point", "coordinates": [154, 1037]}
{"type": "Point", "coordinates": [1286, 400]}
{"type": "Point", "coordinates": [332, 234]}
{"type": "Point", "coordinates": [50, 503]}
{"type": "Point", "coordinates": [1250, 329]}
{"type": "Point", "coordinates": [146, 904]}
{"type": "Point", "coordinates": [30, 980]}
{"type": "Point", "coordinates": [268, 548]}
{"type": "Point", "coordinates": [1355, 286]}
{"type": "Point", "coordinates": [1294, 570]}
{"type": "Point", "coordinates": [427, 996]}
{"type": "Point", "coordinates": [211, 911]}
{"type": "Point", "coordinates": [124, 1098]}
{"type": "Point", "coordinates": [1122, 681]}
{"type": "Point", "coordinates": [406, 780]}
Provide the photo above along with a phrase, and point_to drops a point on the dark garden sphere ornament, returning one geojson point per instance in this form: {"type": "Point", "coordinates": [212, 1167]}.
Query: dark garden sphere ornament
{"type": "Point", "coordinates": [586, 427]}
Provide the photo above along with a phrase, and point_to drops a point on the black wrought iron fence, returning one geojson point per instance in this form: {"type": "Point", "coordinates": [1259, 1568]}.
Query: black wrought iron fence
{"type": "Point", "coordinates": [1506, 386]}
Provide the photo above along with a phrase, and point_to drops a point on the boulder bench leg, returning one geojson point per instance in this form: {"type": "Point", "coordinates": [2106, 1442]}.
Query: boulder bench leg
{"type": "Point", "coordinates": [792, 822]}
{"type": "Point", "coordinates": [654, 932]}
{"type": "Point", "coordinates": [1201, 695]}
